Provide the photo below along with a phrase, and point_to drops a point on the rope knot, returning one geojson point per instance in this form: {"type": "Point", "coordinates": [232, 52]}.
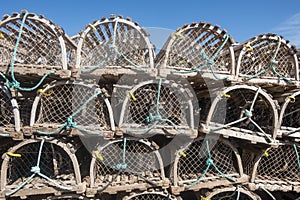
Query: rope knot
{"type": "Point", "coordinates": [113, 48]}
{"type": "Point", "coordinates": [35, 169]}
{"type": "Point", "coordinates": [206, 58]}
{"type": "Point", "coordinates": [120, 166]}
{"type": "Point", "coordinates": [274, 62]}
{"type": "Point", "coordinates": [209, 161]}
{"type": "Point", "coordinates": [70, 123]}
{"type": "Point", "coordinates": [247, 113]}
{"type": "Point", "coordinates": [151, 118]}
{"type": "Point", "coordinates": [13, 84]}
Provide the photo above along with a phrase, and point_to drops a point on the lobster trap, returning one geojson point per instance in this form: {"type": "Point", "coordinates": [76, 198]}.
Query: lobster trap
{"type": "Point", "coordinates": [198, 47]}
{"type": "Point", "coordinates": [40, 45]}
{"type": "Point", "coordinates": [277, 169]}
{"type": "Point", "coordinates": [289, 116]}
{"type": "Point", "coordinates": [65, 105]}
{"type": "Point", "coordinates": [9, 113]}
{"type": "Point", "coordinates": [126, 165]}
{"type": "Point", "coordinates": [35, 167]}
{"type": "Point", "coordinates": [240, 111]}
{"type": "Point", "coordinates": [160, 107]}
{"type": "Point", "coordinates": [114, 42]}
{"type": "Point", "coordinates": [267, 58]}
{"type": "Point", "coordinates": [206, 163]}
{"type": "Point", "coordinates": [232, 193]}
{"type": "Point", "coordinates": [149, 195]}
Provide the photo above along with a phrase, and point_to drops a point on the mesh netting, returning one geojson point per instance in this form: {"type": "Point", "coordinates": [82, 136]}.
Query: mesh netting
{"type": "Point", "coordinates": [186, 52]}
{"type": "Point", "coordinates": [259, 53]}
{"type": "Point", "coordinates": [6, 110]}
{"type": "Point", "coordinates": [142, 163]}
{"type": "Point", "coordinates": [281, 165]}
{"type": "Point", "coordinates": [173, 107]}
{"type": "Point", "coordinates": [194, 164]}
{"type": "Point", "coordinates": [149, 196]}
{"type": "Point", "coordinates": [61, 101]}
{"type": "Point", "coordinates": [115, 42]}
{"type": "Point", "coordinates": [237, 106]}
{"type": "Point", "coordinates": [55, 163]}
{"type": "Point", "coordinates": [248, 161]}
{"type": "Point", "coordinates": [39, 44]}
{"type": "Point", "coordinates": [291, 114]}
{"type": "Point", "coordinates": [232, 195]}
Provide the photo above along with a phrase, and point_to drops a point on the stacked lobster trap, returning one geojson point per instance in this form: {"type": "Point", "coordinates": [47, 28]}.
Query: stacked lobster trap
{"type": "Point", "coordinates": [101, 116]}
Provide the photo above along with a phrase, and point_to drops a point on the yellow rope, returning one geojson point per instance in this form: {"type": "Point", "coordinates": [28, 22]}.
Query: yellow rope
{"type": "Point", "coordinates": [92, 26]}
{"type": "Point", "coordinates": [293, 99]}
{"type": "Point", "coordinates": [182, 153]}
{"type": "Point", "coordinates": [265, 153]}
{"type": "Point", "coordinates": [14, 154]}
{"type": "Point", "coordinates": [179, 35]}
{"type": "Point", "coordinates": [98, 155]}
{"type": "Point", "coordinates": [132, 96]}
{"type": "Point", "coordinates": [248, 47]}
{"type": "Point", "coordinates": [44, 93]}
{"type": "Point", "coordinates": [1, 36]}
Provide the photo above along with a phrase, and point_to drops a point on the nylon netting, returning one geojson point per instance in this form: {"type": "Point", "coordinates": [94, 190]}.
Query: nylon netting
{"type": "Point", "coordinates": [280, 165]}
{"type": "Point", "coordinates": [142, 163]}
{"type": "Point", "coordinates": [6, 110]}
{"type": "Point", "coordinates": [55, 163]}
{"type": "Point", "coordinates": [193, 165]}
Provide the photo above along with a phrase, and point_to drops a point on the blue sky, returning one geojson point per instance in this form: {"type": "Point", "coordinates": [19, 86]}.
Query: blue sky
{"type": "Point", "coordinates": [242, 19]}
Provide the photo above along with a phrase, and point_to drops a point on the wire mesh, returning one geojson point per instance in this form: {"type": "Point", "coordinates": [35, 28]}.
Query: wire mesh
{"type": "Point", "coordinates": [54, 163]}
{"type": "Point", "coordinates": [115, 42]}
{"type": "Point", "coordinates": [39, 44]}
{"type": "Point", "coordinates": [185, 49]}
{"type": "Point", "coordinates": [258, 53]}
{"type": "Point", "coordinates": [7, 118]}
{"type": "Point", "coordinates": [237, 105]}
{"type": "Point", "coordinates": [279, 166]}
{"type": "Point", "coordinates": [59, 102]}
{"type": "Point", "coordinates": [142, 164]}
{"type": "Point", "coordinates": [193, 165]}
{"type": "Point", "coordinates": [157, 104]}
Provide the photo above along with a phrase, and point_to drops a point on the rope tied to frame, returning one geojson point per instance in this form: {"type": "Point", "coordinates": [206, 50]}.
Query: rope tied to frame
{"type": "Point", "coordinates": [123, 165]}
{"type": "Point", "coordinates": [36, 170]}
{"type": "Point", "coordinates": [273, 63]}
{"type": "Point", "coordinates": [14, 84]}
{"type": "Point", "coordinates": [156, 118]}
{"type": "Point", "coordinates": [209, 62]}
{"type": "Point", "coordinates": [209, 162]}
{"type": "Point", "coordinates": [69, 124]}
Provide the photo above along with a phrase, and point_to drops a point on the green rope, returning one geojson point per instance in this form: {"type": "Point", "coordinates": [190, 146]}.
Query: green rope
{"type": "Point", "coordinates": [209, 62]}
{"type": "Point", "coordinates": [14, 83]}
{"type": "Point", "coordinates": [209, 163]}
{"type": "Point", "coordinates": [297, 155]}
{"type": "Point", "coordinates": [36, 170]}
{"type": "Point", "coordinates": [69, 124]}
{"type": "Point", "coordinates": [157, 117]}
{"type": "Point", "coordinates": [273, 62]}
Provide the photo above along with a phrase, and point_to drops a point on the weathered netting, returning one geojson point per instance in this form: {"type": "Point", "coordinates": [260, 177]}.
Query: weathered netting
{"type": "Point", "coordinates": [235, 104]}
{"type": "Point", "coordinates": [258, 53]}
{"type": "Point", "coordinates": [193, 165]}
{"type": "Point", "coordinates": [25, 106]}
{"type": "Point", "coordinates": [291, 114]}
{"type": "Point", "coordinates": [54, 163]}
{"type": "Point", "coordinates": [277, 195]}
{"type": "Point", "coordinates": [280, 166]}
{"type": "Point", "coordinates": [39, 45]}
{"type": "Point", "coordinates": [248, 161]}
{"type": "Point", "coordinates": [141, 161]}
{"type": "Point", "coordinates": [7, 118]}
{"type": "Point", "coordinates": [184, 50]}
{"type": "Point", "coordinates": [57, 103]}
{"type": "Point", "coordinates": [149, 196]}
{"type": "Point", "coordinates": [141, 109]}
{"type": "Point", "coordinates": [115, 42]}
{"type": "Point", "coordinates": [233, 194]}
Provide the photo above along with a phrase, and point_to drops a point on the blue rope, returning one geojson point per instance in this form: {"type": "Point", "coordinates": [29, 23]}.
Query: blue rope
{"type": "Point", "coordinates": [123, 165]}
{"type": "Point", "coordinates": [4, 135]}
{"type": "Point", "coordinates": [14, 83]}
{"type": "Point", "coordinates": [36, 170]}
{"type": "Point", "coordinates": [297, 155]}
{"type": "Point", "coordinates": [69, 124]}
{"type": "Point", "coordinates": [157, 117]}
{"type": "Point", "coordinates": [209, 163]}
{"type": "Point", "coordinates": [209, 62]}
